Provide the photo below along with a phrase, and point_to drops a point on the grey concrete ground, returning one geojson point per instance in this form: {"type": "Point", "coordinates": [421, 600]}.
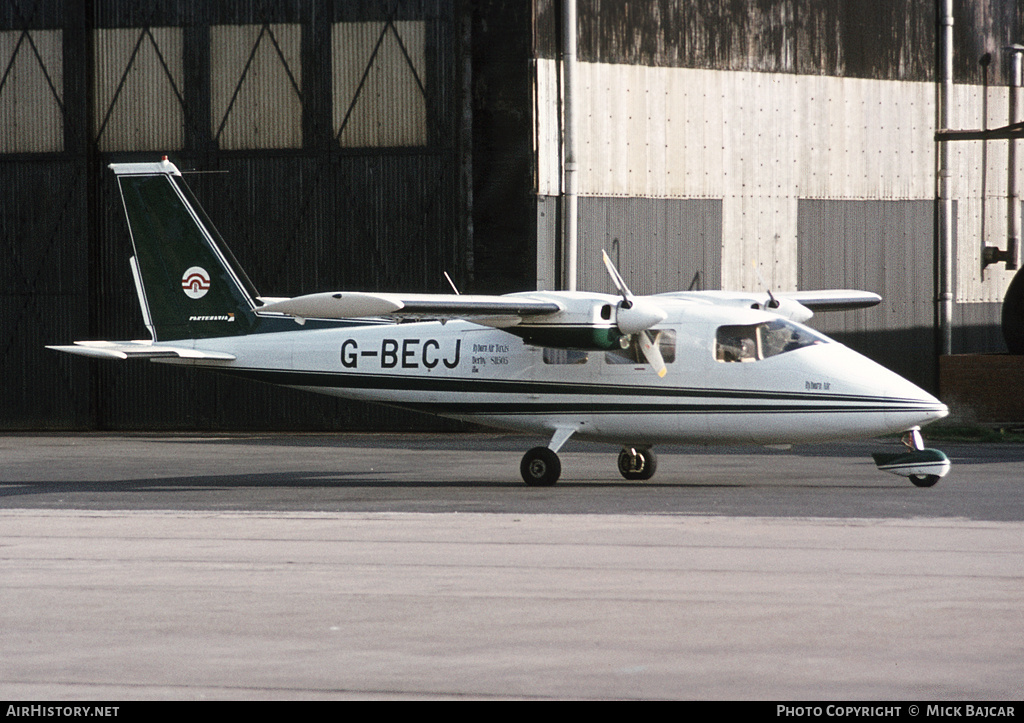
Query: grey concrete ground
{"type": "Point", "coordinates": [293, 567]}
{"type": "Point", "coordinates": [480, 473]}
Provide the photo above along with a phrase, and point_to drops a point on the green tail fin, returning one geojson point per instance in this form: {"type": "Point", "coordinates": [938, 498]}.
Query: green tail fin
{"type": "Point", "coordinates": [189, 284]}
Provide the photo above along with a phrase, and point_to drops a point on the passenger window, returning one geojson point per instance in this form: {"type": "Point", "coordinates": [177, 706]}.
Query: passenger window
{"type": "Point", "coordinates": [633, 354]}
{"type": "Point", "coordinates": [564, 356]}
{"type": "Point", "coordinates": [760, 341]}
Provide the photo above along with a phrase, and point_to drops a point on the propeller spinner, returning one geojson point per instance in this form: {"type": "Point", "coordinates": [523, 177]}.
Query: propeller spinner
{"type": "Point", "coordinates": [635, 316]}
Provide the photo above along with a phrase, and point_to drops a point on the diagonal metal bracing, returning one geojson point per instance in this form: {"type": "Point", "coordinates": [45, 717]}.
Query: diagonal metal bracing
{"type": "Point", "coordinates": [265, 31]}
{"type": "Point", "coordinates": [389, 26]}
{"type": "Point", "coordinates": [143, 34]}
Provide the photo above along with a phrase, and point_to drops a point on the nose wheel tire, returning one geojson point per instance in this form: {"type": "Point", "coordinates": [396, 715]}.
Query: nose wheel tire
{"type": "Point", "coordinates": [637, 464]}
{"type": "Point", "coordinates": [540, 467]}
{"type": "Point", "coordinates": [924, 480]}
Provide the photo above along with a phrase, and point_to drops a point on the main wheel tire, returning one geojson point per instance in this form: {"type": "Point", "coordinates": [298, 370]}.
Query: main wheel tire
{"type": "Point", "coordinates": [924, 480]}
{"type": "Point", "coordinates": [540, 467]}
{"type": "Point", "coordinates": [642, 466]}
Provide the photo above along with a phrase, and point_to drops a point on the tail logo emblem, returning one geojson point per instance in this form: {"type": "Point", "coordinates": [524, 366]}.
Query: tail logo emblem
{"type": "Point", "coordinates": [195, 282]}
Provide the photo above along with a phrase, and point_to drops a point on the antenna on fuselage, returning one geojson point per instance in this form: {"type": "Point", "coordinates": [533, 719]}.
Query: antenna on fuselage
{"type": "Point", "coordinates": [452, 284]}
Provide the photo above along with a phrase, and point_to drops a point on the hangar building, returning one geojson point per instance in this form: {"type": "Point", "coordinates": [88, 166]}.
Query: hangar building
{"type": "Point", "coordinates": [376, 144]}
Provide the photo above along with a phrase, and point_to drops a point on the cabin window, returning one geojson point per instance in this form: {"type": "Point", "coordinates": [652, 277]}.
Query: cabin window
{"type": "Point", "coordinates": [564, 356]}
{"type": "Point", "coordinates": [736, 344]}
{"type": "Point", "coordinates": [753, 342]}
{"type": "Point", "coordinates": [633, 354]}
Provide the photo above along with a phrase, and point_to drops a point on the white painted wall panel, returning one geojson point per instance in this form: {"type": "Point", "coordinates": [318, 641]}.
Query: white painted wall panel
{"type": "Point", "coordinates": [547, 129]}
{"type": "Point", "coordinates": [762, 141]}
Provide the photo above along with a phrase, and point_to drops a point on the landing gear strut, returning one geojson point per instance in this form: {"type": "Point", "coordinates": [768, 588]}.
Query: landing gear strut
{"type": "Point", "coordinates": [637, 463]}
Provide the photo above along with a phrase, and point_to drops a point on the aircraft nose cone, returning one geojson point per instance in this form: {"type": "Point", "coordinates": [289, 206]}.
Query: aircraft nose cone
{"type": "Point", "coordinates": [911, 406]}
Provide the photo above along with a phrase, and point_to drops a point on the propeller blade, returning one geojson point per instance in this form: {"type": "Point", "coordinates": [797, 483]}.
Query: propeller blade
{"type": "Point", "coordinates": [620, 284]}
{"type": "Point", "coordinates": [652, 351]}
{"type": "Point", "coordinates": [772, 303]}
{"type": "Point", "coordinates": [636, 316]}
{"type": "Point", "coordinates": [633, 316]}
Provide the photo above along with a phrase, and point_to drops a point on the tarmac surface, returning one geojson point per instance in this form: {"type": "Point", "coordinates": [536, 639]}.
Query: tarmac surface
{"type": "Point", "coordinates": [139, 567]}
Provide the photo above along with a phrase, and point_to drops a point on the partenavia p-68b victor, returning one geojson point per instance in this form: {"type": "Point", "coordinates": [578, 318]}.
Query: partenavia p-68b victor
{"type": "Point", "coordinates": [703, 367]}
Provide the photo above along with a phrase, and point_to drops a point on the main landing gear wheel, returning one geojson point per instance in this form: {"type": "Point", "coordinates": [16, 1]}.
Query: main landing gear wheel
{"type": "Point", "coordinates": [540, 467]}
{"type": "Point", "coordinates": [637, 464]}
{"type": "Point", "coordinates": [924, 480]}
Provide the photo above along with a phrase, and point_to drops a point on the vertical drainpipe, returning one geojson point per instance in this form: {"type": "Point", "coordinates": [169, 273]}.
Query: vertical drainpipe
{"type": "Point", "coordinates": [945, 198]}
{"type": "Point", "coordinates": [1013, 194]}
{"type": "Point", "coordinates": [569, 134]}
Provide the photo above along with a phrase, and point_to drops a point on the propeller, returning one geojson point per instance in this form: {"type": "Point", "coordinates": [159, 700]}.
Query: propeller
{"type": "Point", "coordinates": [772, 302]}
{"type": "Point", "coordinates": [635, 316]}
{"type": "Point", "coordinates": [788, 308]}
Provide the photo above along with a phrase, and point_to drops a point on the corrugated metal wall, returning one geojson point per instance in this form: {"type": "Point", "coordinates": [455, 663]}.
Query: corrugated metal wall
{"type": "Point", "coordinates": [669, 245]}
{"type": "Point", "coordinates": [504, 194]}
{"type": "Point", "coordinates": [336, 138]}
{"type": "Point", "coordinates": [33, 80]}
{"type": "Point", "coordinates": [884, 246]}
{"type": "Point", "coordinates": [893, 40]}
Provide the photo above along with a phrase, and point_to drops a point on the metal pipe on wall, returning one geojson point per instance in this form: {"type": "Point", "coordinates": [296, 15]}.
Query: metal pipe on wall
{"type": "Point", "coordinates": [945, 250]}
{"type": "Point", "coordinates": [1013, 193]}
{"type": "Point", "coordinates": [569, 167]}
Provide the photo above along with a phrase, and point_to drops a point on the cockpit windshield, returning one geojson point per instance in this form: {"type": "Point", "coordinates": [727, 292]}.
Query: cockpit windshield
{"type": "Point", "coordinates": [754, 342]}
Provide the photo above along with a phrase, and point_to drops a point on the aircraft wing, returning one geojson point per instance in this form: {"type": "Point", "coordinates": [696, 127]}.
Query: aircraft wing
{"type": "Point", "coordinates": [503, 310]}
{"type": "Point", "coordinates": [796, 305]}
{"type": "Point", "coordinates": [833, 299]}
{"type": "Point", "coordinates": [138, 350]}
{"type": "Point", "coordinates": [531, 308]}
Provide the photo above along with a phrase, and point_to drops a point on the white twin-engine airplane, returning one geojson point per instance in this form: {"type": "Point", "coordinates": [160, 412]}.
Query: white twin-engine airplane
{"type": "Point", "coordinates": [704, 367]}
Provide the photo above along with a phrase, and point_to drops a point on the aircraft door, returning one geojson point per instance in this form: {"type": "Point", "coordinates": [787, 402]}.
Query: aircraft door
{"type": "Point", "coordinates": [655, 407]}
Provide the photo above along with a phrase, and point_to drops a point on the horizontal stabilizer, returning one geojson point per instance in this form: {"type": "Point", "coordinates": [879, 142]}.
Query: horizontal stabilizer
{"type": "Point", "coordinates": [348, 305]}
{"type": "Point", "coordinates": [139, 350]}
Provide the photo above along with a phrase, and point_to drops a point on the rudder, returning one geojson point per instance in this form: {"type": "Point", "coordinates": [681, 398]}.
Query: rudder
{"type": "Point", "coordinates": [190, 286]}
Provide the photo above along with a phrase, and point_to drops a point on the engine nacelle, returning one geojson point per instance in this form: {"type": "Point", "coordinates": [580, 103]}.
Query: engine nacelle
{"type": "Point", "coordinates": [588, 323]}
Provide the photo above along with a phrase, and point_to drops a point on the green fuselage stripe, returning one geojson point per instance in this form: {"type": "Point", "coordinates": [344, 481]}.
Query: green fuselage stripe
{"type": "Point", "coordinates": [722, 401]}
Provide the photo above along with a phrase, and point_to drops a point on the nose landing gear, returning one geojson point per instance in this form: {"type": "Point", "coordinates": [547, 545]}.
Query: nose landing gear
{"type": "Point", "coordinates": [923, 467]}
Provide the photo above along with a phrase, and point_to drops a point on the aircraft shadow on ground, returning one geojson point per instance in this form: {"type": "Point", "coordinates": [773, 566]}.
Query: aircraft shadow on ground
{"type": "Point", "coordinates": [360, 480]}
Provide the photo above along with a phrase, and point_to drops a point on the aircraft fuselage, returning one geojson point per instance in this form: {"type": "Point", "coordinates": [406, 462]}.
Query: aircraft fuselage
{"type": "Point", "coordinates": [466, 371]}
